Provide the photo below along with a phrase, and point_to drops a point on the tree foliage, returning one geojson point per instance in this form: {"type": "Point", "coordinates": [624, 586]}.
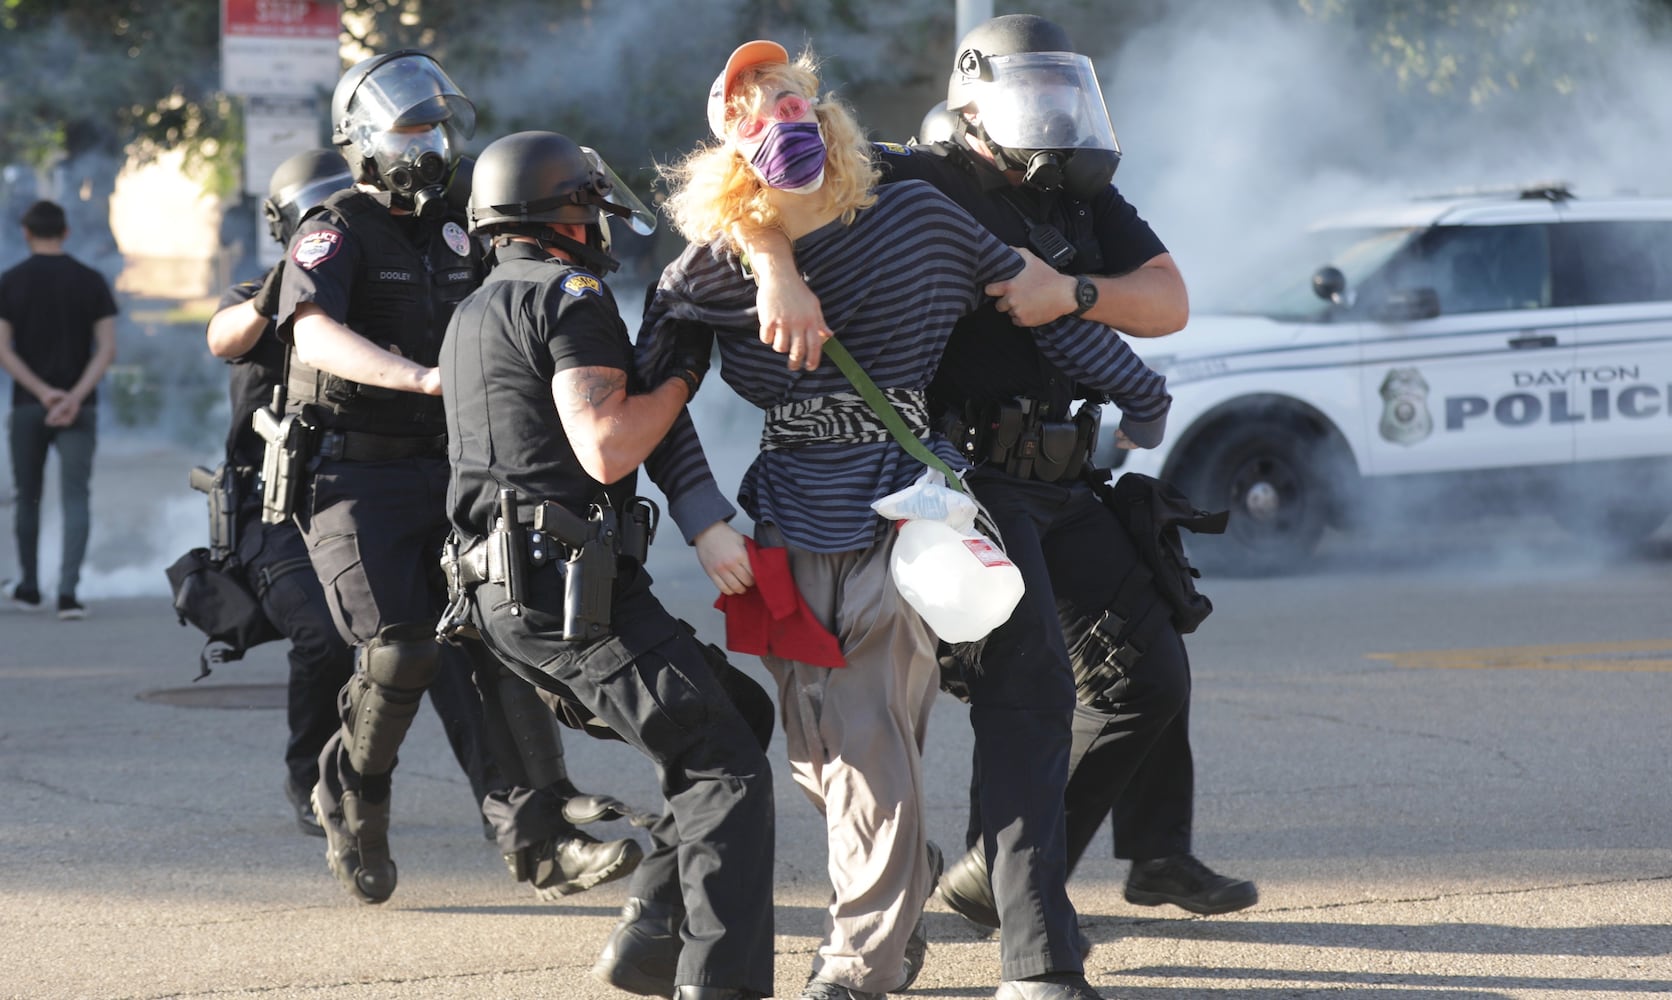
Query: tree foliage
{"type": "Point", "coordinates": [113, 76]}
{"type": "Point", "coordinates": [1482, 53]}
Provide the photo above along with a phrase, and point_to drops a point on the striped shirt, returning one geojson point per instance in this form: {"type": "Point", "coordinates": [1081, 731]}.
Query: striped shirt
{"type": "Point", "coordinates": [892, 285]}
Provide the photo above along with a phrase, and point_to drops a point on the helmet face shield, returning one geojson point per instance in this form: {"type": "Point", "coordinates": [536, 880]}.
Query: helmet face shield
{"type": "Point", "coordinates": [617, 198]}
{"type": "Point", "coordinates": [1042, 100]}
{"type": "Point", "coordinates": [408, 90]}
{"type": "Point", "coordinates": [285, 209]}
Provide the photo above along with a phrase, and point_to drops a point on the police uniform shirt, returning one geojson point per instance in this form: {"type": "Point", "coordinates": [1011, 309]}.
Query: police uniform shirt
{"type": "Point", "coordinates": [985, 361]}
{"type": "Point", "coordinates": [533, 317]}
{"type": "Point", "coordinates": [336, 267]}
{"type": "Point", "coordinates": [52, 302]}
{"type": "Point", "coordinates": [254, 373]}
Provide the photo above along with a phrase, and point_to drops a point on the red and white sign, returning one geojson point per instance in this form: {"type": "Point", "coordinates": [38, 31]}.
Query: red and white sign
{"type": "Point", "coordinates": [280, 48]}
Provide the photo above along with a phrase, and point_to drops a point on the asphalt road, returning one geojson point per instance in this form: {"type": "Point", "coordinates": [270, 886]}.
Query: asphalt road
{"type": "Point", "coordinates": [1443, 755]}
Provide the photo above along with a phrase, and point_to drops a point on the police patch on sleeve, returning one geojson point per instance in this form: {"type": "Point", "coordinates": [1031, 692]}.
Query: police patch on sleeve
{"type": "Point", "coordinates": [316, 248]}
{"type": "Point", "coordinates": [456, 239]}
{"type": "Point", "coordinates": [894, 148]}
{"type": "Point", "coordinates": [581, 283]}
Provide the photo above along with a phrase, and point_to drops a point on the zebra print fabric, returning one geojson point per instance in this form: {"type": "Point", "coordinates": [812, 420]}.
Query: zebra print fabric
{"type": "Point", "coordinates": [842, 417]}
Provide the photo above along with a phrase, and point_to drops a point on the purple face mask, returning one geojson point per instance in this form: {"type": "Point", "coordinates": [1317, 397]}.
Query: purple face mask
{"type": "Point", "coordinates": [791, 157]}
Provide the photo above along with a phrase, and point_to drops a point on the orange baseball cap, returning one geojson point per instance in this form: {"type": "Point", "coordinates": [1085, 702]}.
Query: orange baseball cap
{"type": "Point", "coordinates": [745, 56]}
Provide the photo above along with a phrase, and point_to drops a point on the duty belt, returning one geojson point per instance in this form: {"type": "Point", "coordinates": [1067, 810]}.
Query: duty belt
{"type": "Point", "coordinates": [588, 546]}
{"type": "Point", "coordinates": [1023, 440]}
{"type": "Point", "coordinates": [359, 446]}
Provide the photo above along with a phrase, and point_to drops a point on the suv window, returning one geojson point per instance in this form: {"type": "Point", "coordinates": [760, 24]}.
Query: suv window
{"type": "Point", "coordinates": [1598, 263]}
{"type": "Point", "coordinates": [1472, 269]}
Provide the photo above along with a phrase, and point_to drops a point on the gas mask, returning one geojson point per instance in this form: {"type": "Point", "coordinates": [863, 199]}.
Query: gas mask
{"type": "Point", "coordinates": [414, 168]}
{"type": "Point", "coordinates": [1042, 113]}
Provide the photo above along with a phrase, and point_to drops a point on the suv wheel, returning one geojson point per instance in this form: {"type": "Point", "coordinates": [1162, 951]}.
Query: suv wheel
{"type": "Point", "coordinates": [1268, 475]}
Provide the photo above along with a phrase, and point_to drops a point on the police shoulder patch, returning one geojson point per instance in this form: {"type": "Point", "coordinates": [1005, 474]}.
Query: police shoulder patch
{"type": "Point", "coordinates": [580, 283]}
{"type": "Point", "coordinates": [893, 148]}
{"type": "Point", "coordinates": [315, 249]}
{"type": "Point", "coordinates": [457, 240]}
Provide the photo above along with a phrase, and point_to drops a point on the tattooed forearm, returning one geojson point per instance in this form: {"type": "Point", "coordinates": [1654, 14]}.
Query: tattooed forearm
{"type": "Point", "coordinates": [588, 388]}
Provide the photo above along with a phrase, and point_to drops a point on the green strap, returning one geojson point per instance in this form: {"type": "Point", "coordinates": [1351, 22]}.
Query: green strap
{"type": "Point", "coordinates": [891, 418]}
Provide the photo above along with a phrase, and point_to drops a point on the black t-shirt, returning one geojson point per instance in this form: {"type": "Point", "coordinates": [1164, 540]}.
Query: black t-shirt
{"type": "Point", "coordinates": [52, 302]}
{"type": "Point", "coordinates": [533, 317]}
{"type": "Point", "coordinates": [986, 361]}
{"type": "Point", "coordinates": [253, 376]}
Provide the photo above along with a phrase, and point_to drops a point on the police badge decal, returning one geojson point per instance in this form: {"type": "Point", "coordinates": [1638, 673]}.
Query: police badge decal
{"type": "Point", "coordinates": [1405, 418]}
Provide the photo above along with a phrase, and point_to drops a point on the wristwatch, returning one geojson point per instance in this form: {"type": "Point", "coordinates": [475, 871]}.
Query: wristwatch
{"type": "Point", "coordinates": [1085, 294]}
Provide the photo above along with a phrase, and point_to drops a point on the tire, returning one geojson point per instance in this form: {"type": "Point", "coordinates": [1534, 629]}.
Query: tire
{"type": "Point", "coordinates": [1270, 476]}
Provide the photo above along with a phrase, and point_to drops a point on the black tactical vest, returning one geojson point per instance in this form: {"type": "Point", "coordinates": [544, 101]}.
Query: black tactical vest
{"type": "Point", "coordinates": [401, 301]}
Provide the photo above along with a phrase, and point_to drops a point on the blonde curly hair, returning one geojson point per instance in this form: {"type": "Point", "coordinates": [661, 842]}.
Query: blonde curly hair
{"type": "Point", "coordinates": [714, 197]}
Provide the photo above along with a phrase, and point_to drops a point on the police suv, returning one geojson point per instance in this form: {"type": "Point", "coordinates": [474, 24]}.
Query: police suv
{"type": "Point", "coordinates": [1483, 351]}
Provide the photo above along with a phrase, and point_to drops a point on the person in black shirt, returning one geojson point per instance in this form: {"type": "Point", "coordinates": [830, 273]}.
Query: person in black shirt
{"type": "Point", "coordinates": [547, 425]}
{"type": "Point", "coordinates": [371, 278]}
{"type": "Point", "coordinates": [57, 338]}
{"type": "Point", "coordinates": [1032, 157]}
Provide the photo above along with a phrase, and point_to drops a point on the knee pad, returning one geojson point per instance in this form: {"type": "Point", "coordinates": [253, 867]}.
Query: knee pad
{"type": "Point", "coordinates": [380, 701]}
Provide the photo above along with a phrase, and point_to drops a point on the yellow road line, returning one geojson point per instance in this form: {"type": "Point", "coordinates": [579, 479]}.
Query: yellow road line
{"type": "Point", "coordinates": [1641, 656]}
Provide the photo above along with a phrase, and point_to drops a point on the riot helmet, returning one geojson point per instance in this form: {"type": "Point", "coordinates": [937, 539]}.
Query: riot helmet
{"type": "Point", "coordinates": [401, 123]}
{"type": "Point", "coordinates": [1039, 107]}
{"type": "Point", "coordinates": [524, 181]}
{"type": "Point", "coordinates": [300, 184]}
{"type": "Point", "coordinates": [938, 125]}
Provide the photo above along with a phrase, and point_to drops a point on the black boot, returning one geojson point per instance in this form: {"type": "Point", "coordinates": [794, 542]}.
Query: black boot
{"type": "Point", "coordinates": [1186, 882]}
{"type": "Point", "coordinates": [968, 890]}
{"type": "Point", "coordinates": [357, 845]}
{"type": "Point", "coordinates": [642, 953]}
{"type": "Point", "coordinates": [1052, 986]}
{"type": "Point", "coordinates": [567, 865]}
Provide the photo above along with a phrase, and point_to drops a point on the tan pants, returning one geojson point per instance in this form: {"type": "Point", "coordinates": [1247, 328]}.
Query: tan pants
{"type": "Point", "coordinates": [855, 739]}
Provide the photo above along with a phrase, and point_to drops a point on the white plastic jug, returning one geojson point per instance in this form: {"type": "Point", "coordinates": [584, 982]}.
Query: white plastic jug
{"type": "Point", "coordinates": [962, 584]}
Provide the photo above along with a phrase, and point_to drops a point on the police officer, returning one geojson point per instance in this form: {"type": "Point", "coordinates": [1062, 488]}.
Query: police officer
{"type": "Point", "coordinates": [1032, 158]}
{"type": "Point", "coordinates": [274, 557]}
{"type": "Point", "coordinates": [371, 278]}
{"type": "Point", "coordinates": [546, 430]}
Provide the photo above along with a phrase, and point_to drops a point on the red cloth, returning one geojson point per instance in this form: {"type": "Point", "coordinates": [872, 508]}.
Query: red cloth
{"type": "Point", "coordinates": [772, 617]}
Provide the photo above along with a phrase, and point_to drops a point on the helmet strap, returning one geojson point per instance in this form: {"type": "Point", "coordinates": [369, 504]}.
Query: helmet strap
{"type": "Point", "coordinates": [582, 253]}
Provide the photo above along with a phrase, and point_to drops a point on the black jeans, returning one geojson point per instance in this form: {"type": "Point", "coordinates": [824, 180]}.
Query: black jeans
{"type": "Point", "coordinates": [649, 682]}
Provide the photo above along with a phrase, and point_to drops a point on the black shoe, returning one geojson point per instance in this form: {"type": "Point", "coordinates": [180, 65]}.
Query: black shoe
{"type": "Point", "coordinates": [968, 890]}
{"type": "Point", "coordinates": [642, 953]}
{"type": "Point", "coordinates": [714, 993]}
{"type": "Point", "coordinates": [303, 804]}
{"type": "Point", "coordinates": [917, 946]}
{"type": "Point", "coordinates": [1054, 986]}
{"type": "Point", "coordinates": [70, 609]}
{"type": "Point", "coordinates": [572, 864]}
{"type": "Point", "coordinates": [357, 846]}
{"type": "Point", "coordinates": [24, 598]}
{"type": "Point", "coordinates": [824, 989]}
{"type": "Point", "coordinates": [1186, 882]}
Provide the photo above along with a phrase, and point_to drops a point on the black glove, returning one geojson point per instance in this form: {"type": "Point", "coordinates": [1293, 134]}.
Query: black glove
{"type": "Point", "coordinates": [693, 346]}
{"type": "Point", "coordinates": [267, 297]}
{"type": "Point", "coordinates": [693, 350]}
